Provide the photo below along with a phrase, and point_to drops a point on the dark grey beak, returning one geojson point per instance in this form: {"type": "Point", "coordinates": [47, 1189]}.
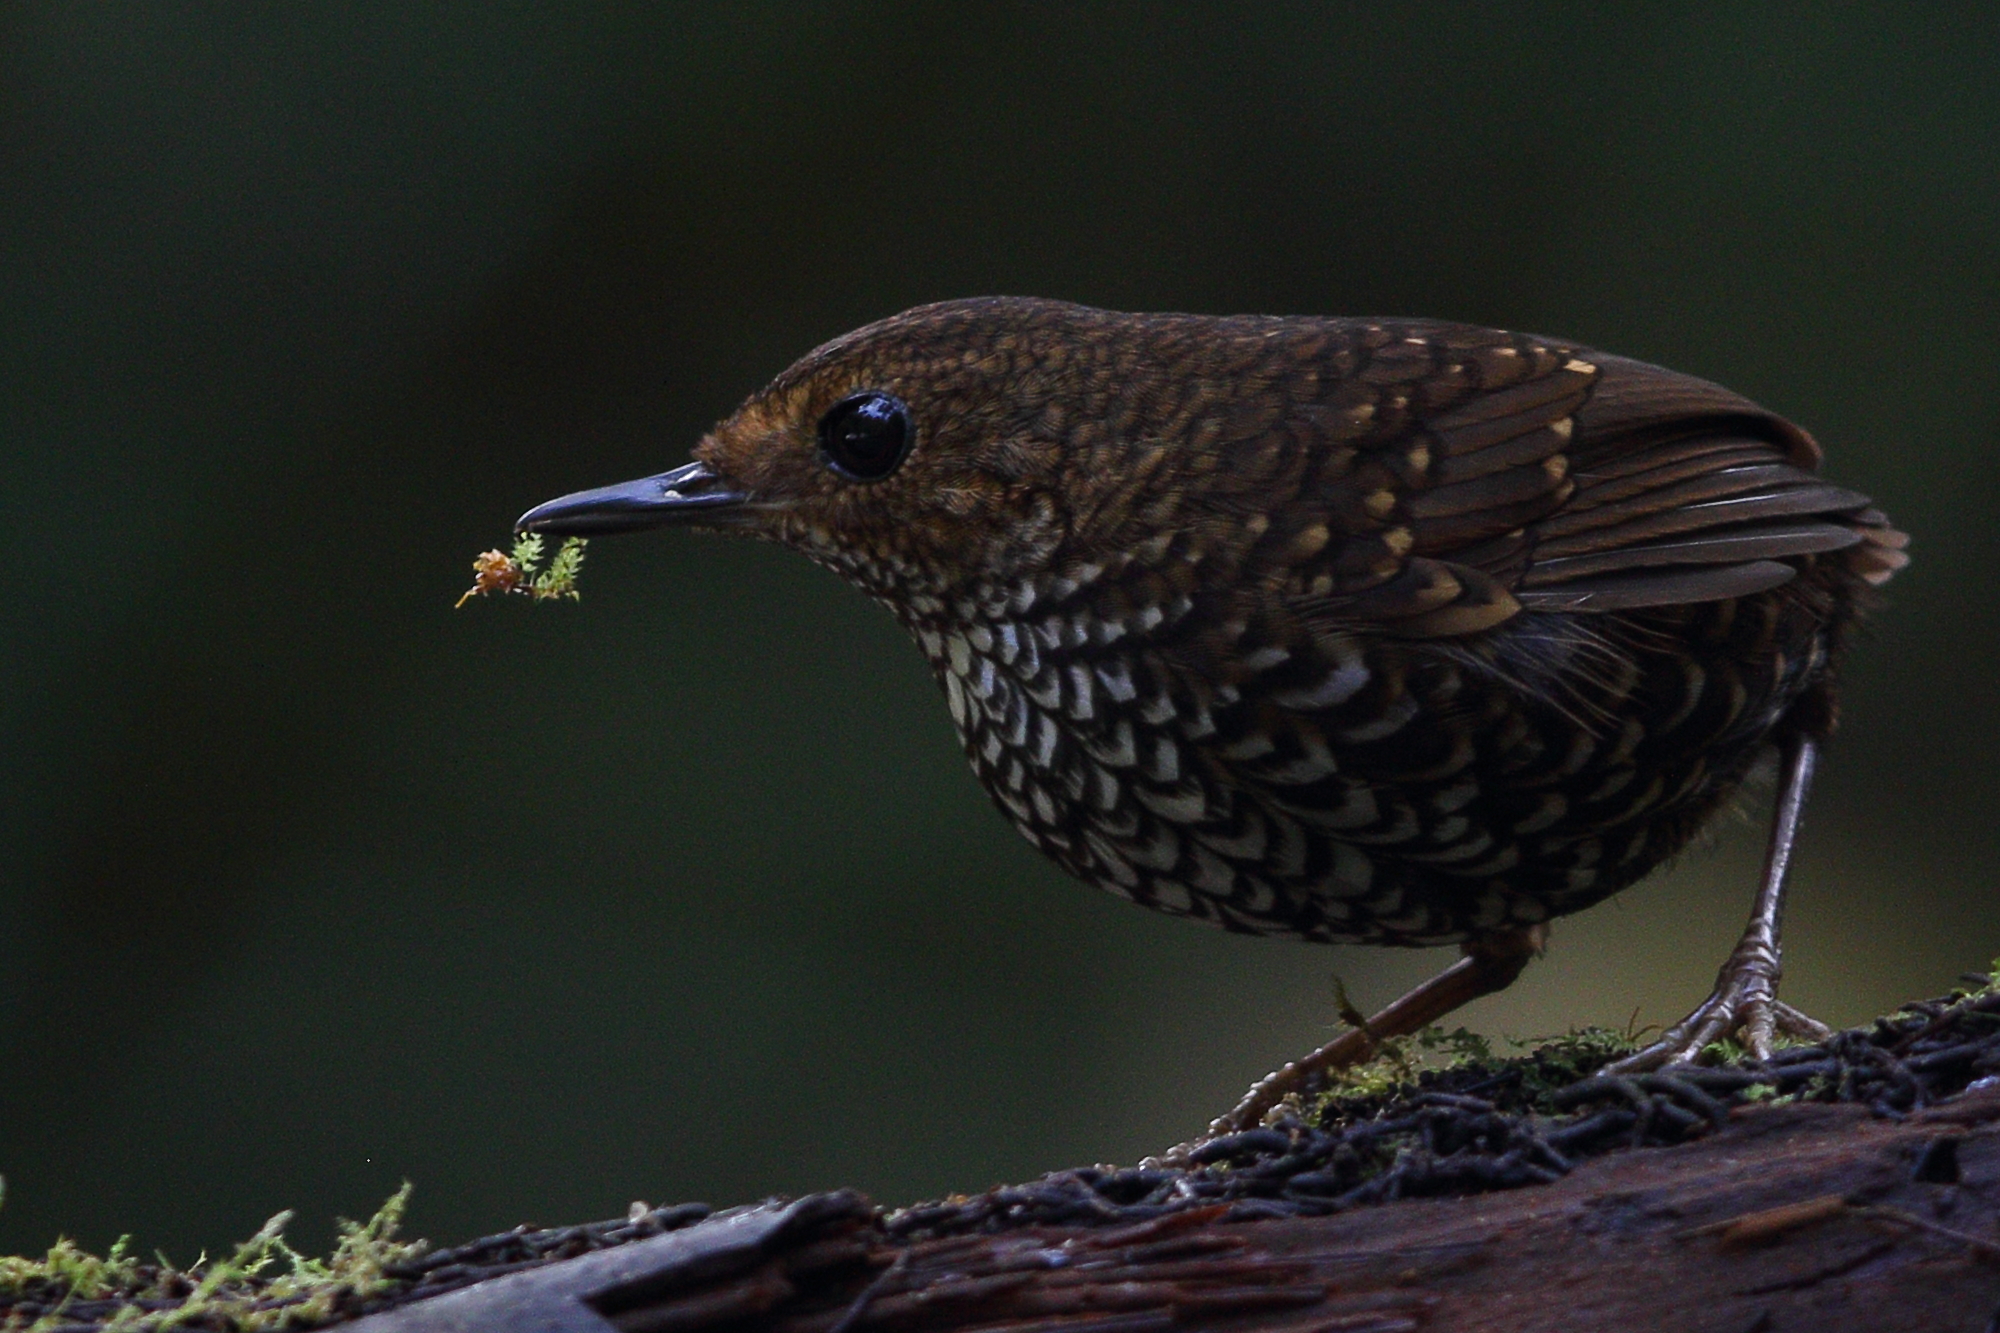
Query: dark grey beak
{"type": "Point", "coordinates": [690, 494]}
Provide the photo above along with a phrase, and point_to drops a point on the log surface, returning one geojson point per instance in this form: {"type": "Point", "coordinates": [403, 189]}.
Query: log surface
{"type": "Point", "coordinates": [1851, 1185]}
{"type": "Point", "coordinates": [1802, 1217]}
{"type": "Point", "coordinates": [1794, 1217]}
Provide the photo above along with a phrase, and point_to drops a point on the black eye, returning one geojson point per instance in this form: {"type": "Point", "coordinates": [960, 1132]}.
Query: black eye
{"type": "Point", "coordinates": [865, 435]}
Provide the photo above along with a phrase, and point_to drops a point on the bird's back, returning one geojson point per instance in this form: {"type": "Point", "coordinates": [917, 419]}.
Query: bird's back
{"type": "Point", "coordinates": [1392, 631]}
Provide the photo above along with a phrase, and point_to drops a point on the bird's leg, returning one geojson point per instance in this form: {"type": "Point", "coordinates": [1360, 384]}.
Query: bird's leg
{"type": "Point", "coordinates": [1745, 1001]}
{"type": "Point", "coordinates": [1490, 964]}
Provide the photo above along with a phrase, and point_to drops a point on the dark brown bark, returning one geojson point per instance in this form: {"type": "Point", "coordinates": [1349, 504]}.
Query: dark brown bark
{"type": "Point", "coordinates": [1796, 1217]}
{"type": "Point", "coordinates": [1803, 1217]}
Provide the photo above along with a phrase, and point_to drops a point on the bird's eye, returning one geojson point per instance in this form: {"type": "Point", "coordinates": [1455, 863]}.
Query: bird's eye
{"type": "Point", "coordinates": [865, 436]}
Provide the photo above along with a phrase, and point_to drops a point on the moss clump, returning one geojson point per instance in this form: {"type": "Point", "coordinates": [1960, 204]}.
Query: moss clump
{"type": "Point", "coordinates": [1461, 1062]}
{"type": "Point", "coordinates": [263, 1285]}
{"type": "Point", "coordinates": [75, 1271]}
{"type": "Point", "coordinates": [519, 570]}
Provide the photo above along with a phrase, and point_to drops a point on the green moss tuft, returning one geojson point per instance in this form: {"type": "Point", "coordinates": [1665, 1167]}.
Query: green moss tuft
{"type": "Point", "coordinates": [559, 579]}
{"type": "Point", "coordinates": [516, 570]}
{"type": "Point", "coordinates": [83, 1275]}
{"type": "Point", "coordinates": [1459, 1061]}
{"type": "Point", "coordinates": [263, 1285]}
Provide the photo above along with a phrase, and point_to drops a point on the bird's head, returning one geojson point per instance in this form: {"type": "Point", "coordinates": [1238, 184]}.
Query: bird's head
{"type": "Point", "coordinates": [979, 440]}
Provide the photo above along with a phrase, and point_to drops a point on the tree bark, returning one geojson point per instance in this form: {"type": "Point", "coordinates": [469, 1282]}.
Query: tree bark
{"type": "Point", "coordinates": [1794, 1217]}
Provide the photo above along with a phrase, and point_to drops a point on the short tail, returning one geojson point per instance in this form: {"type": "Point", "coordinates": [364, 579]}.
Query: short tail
{"type": "Point", "coordinates": [1881, 550]}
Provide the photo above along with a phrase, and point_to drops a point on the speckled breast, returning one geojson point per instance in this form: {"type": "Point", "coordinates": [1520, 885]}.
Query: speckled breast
{"type": "Point", "coordinates": [1368, 790]}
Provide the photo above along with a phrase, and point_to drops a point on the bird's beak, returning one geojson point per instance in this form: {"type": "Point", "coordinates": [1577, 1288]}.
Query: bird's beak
{"type": "Point", "coordinates": [690, 494]}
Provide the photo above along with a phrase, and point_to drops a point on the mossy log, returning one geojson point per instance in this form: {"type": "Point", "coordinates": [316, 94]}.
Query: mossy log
{"type": "Point", "coordinates": [1801, 1216]}
{"type": "Point", "coordinates": [1853, 1185]}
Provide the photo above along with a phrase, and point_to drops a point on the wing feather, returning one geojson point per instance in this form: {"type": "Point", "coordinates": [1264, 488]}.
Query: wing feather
{"type": "Point", "coordinates": [1561, 479]}
{"type": "Point", "coordinates": [1630, 592]}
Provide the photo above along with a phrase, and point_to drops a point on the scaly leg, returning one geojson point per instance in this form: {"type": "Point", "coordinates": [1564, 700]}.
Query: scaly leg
{"type": "Point", "coordinates": [1745, 1001]}
{"type": "Point", "coordinates": [1489, 965]}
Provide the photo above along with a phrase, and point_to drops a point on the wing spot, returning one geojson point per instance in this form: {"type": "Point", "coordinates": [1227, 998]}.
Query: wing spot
{"type": "Point", "coordinates": [1110, 861]}
{"type": "Point", "coordinates": [1183, 805]}
{"type": "Point", "coordinates": [1081, 704]}
{"type": "Point", "coordinates": [1117, 677]}
{"type": "Point", "coordinates": [1046, 737]}
{"type": "Point", "coordinates": [1553, 806]}
{"type": "Point", "coordinates": [1263, 659]}
{"type": "Point", "coordinates": [1120, 751]}
{"type": "Point", "coordinates": [1392, 720]}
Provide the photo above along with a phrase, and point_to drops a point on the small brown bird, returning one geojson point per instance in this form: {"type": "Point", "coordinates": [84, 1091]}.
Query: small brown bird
{"type": "Point", "coordinates": [1385, 631]}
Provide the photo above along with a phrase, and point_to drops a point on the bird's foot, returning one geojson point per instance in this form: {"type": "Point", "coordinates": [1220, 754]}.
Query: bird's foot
{"type": "Point", "coordinates": [1744, 1006]}
{"type": "Point", "coordinates": [1745, 1003]}
{"type": "Point", "coordinates": [1490, 964]}
{"type": "Point", "coordinates": [1270, 1094]}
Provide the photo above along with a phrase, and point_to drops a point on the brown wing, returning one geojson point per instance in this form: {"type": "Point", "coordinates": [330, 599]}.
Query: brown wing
{"type": "Point", "coordinates": [1559, 479]}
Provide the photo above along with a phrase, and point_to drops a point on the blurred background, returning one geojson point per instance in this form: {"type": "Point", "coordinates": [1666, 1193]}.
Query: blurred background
{"type": "Point", "coordinates": [310, 884]}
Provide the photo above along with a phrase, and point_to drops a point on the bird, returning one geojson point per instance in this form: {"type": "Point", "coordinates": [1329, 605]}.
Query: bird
{"type": "Point", "coordinates": [1387, 631]}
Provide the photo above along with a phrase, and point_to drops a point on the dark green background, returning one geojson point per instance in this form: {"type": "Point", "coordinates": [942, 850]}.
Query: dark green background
{"type": "Point", "coordinates": [312, 884]}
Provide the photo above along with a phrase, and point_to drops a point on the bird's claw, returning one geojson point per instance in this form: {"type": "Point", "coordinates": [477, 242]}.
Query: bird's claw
{"type": "Point", "coordinates": [1744, 1005]}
